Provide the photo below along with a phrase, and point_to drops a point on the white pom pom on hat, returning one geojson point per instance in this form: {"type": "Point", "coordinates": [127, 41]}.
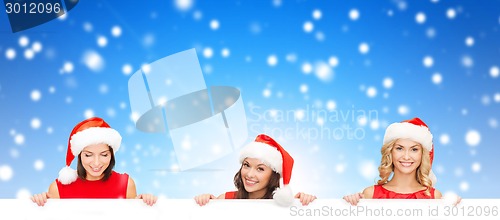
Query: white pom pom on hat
{"type": "Point", "coordinates": [273, 155]}
{"type": "Point", "coordinates": [88, 132]}
{"type": "Point", "coordinates": [416, 130]}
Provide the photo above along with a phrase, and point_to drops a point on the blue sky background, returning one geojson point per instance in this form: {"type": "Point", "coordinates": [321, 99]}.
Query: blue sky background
{"type": "Point", "coordinates": [323, 77]}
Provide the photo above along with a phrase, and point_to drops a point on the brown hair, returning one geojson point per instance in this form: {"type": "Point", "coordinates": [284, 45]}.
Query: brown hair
{"type": "Point", "coordinates": [274, 183]}
{"type": "Point", "coordinates": [82, 173]}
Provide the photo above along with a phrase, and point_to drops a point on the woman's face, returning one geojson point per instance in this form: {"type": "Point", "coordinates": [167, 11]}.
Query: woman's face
{"type": "Point", "coordinates": [95, 159]}
{"type": "Point", "coordinates": [255, 176]}
{"type": "Point", "coordinates": [406, 156]}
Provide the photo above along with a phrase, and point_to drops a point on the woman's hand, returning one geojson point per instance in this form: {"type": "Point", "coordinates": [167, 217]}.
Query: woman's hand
{"type": "Point", "coordinates": [459, 199]}
{"type": "Point", "coordinates": [149, 199]}
{"type": "Point", "coordinates": [354, 198]}
{"type": "Point", "coordinates": [203, 199]}
{"type": "Point", "coordinates": [40, 199]}
{"type": "Point", "coordinates": [305, 199]}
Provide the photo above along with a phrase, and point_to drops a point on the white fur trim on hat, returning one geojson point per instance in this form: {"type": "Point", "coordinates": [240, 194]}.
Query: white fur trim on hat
{"type": "Point", "coordinates": [269, 155]}
{"type": "Point", "coordinates": [283, 196]}
{"type": "Point", "coordinates": [67, 175]}
{"type": "Point", "coordinates": [406, 130]}
{"type": "Point", "coordinates": [95, 135]}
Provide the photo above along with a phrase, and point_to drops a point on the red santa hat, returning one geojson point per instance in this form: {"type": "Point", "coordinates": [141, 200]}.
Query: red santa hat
{"type": "Point", "coordinates": [416, 130]}
{"type": "Point", "coordinates": [88, 132]}
{"type": "Point", "coordinates": [273, 155]}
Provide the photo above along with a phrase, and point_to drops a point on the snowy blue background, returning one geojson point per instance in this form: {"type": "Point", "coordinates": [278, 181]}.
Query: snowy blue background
{"type": "Point", "coordinates": [323, 77]}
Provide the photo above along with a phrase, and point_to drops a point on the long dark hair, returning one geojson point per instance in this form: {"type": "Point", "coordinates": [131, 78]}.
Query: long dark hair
{"type": "Point", "coordinates": [274, 182]}
{"type": "Point", "coordinates": [82, 173]}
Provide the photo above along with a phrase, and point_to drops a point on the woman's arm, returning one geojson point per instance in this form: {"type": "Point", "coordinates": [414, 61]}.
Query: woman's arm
{"type": "Point", "coordinates": [304, 198]}
{"type": "Point", "coordinates": [203, 199]}
{"type": "Point", "coordinates": [131, 190]}
{"type": "Point", "coordinates": [368, 192]}
{"type": "Point", "coordinates": [437, 194]}
{"type": "Point", "coordinates": [354, 198]}
{"type": "Point", "coordinates": [41, 199]}
{"type": "Point", "coordinates": [149, 199]}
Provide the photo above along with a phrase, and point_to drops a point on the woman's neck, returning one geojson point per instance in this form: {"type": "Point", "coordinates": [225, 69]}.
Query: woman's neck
{"type": "Point", "coordinates": [94, 178]}
{"type": "Point", "coordinates": [404, 183]}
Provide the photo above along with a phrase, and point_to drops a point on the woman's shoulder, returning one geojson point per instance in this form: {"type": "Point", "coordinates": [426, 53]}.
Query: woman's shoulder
{"type": "Point", "coordinates": [437, 193]}
{"type": "Point", "coordinates": [53, 191]}
{"type": "Point", "coordinates": [222, 196]}
{"type": "Point", "coordinates": [368, 192]}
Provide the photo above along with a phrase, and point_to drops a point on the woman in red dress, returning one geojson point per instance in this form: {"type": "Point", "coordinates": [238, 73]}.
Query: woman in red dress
{"type": "Point", "coordinates": [94, 142]}
{"type": "Point", "coordinates": [263, 163]}
{"type": "Point", "coordinates": [407, 153]}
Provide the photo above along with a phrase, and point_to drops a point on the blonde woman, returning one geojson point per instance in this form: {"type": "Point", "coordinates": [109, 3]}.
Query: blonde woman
{"type": "Point", "coordinates": [407, 154]}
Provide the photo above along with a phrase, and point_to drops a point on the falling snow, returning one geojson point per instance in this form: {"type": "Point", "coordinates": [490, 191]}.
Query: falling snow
{"type": "Point", "coordinates": [307, 68]}
{"type": "Point", "coordinates": [494, 71]}
{"type": "Point", "coordinates": [473, 138]}
{"type": "Point", "coordinates": [102, 41]}
{"type": "Point", "coordinates": [403, 110]}
{"type": "Point", "coordinates": [317, 14]}
{"type": "Point", "coordinates": [36, 123]}
{"type": "Point", "coordinates": [272, 60]}
{"type": "Point", "coordinates": [214, 24]}
{"type": "Point", "coordinates": [388, 83]}
{"type": "Point", "coordinates": [36, 95]}
{"type": "Point", "coordinates": [420, 18]}
{"type": "Point", "coordinates": [333, 61]}
{"type": "Point", "coordinates": [437, 78]}
{"type": "Point", "coordinates": [208, 52]}
{"type": "Point", "coordinates": [305, 74]}
{"type": "Point", "coordinates": [116, 31]}
{"type": "Point", "coordinates": [93, 61]}
{"type": "Point", "coordinates": [39, 165]}
{"type": "Point", "coordinates": [354, 14]}
{"type": "Point", "coordinates": [364, 48]}
{"type": "Point", "coordinates": [225, 52]}
{"type": "Point", "coordinates": [451, 13]}
{"type": "Point", "coordinates": [469, 41]}
{"type": "Point", "coordinates": [184, 5]}
{"type": "Point", "coordinates": [10, 54]}
{"type": "Point", "coordinates": [323, 71]}
{"type": "Point", "coordinates": [6, 173]}
{"type": "Point", "coordinates": [444, 139]}
{"type": "Point", "coordinates": [371, 92]}
{"type": "Point", "coordinates": [127, 69]}
{"type": "Point", "coordinates": [308, 27]}
{"type": "Point", "coordinates": [428, 61]}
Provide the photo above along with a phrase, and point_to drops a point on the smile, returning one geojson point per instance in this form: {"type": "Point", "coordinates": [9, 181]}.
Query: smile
{"type": "Point", "coordinates": [96, 169]}
{"type": "Point", "coordinates": [406, 164]}
{"type": "Point", "coordinates": [250, 182]}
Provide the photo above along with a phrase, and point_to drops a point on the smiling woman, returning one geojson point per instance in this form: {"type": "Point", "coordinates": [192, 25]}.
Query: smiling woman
{"type": "Point", "coordinates": [407, 154]}
{"type": "Point", "coordinates": [263, 163]}
{"type": "Point", "coordinates": [94, 142]}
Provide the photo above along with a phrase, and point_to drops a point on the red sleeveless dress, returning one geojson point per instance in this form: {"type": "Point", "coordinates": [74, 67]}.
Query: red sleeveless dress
{"type": "Point", "coordinates": [230, 195]}
{"type": "Point", "coordinates": [380, 192]}
{"type": "Point", "coordinates": [113, 188]}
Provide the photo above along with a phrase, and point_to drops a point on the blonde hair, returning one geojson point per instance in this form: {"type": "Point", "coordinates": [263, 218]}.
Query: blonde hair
{"type": "Point", "coordinates": [386, 167]}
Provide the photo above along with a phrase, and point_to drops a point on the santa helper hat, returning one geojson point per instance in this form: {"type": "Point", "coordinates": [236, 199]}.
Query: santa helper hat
{"type": "Point", "coordinates": [88, 132]}
{"type": "Point", "coordinates": [273, 155]}
{"type": "Point", "coordinates": [416, 130]}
